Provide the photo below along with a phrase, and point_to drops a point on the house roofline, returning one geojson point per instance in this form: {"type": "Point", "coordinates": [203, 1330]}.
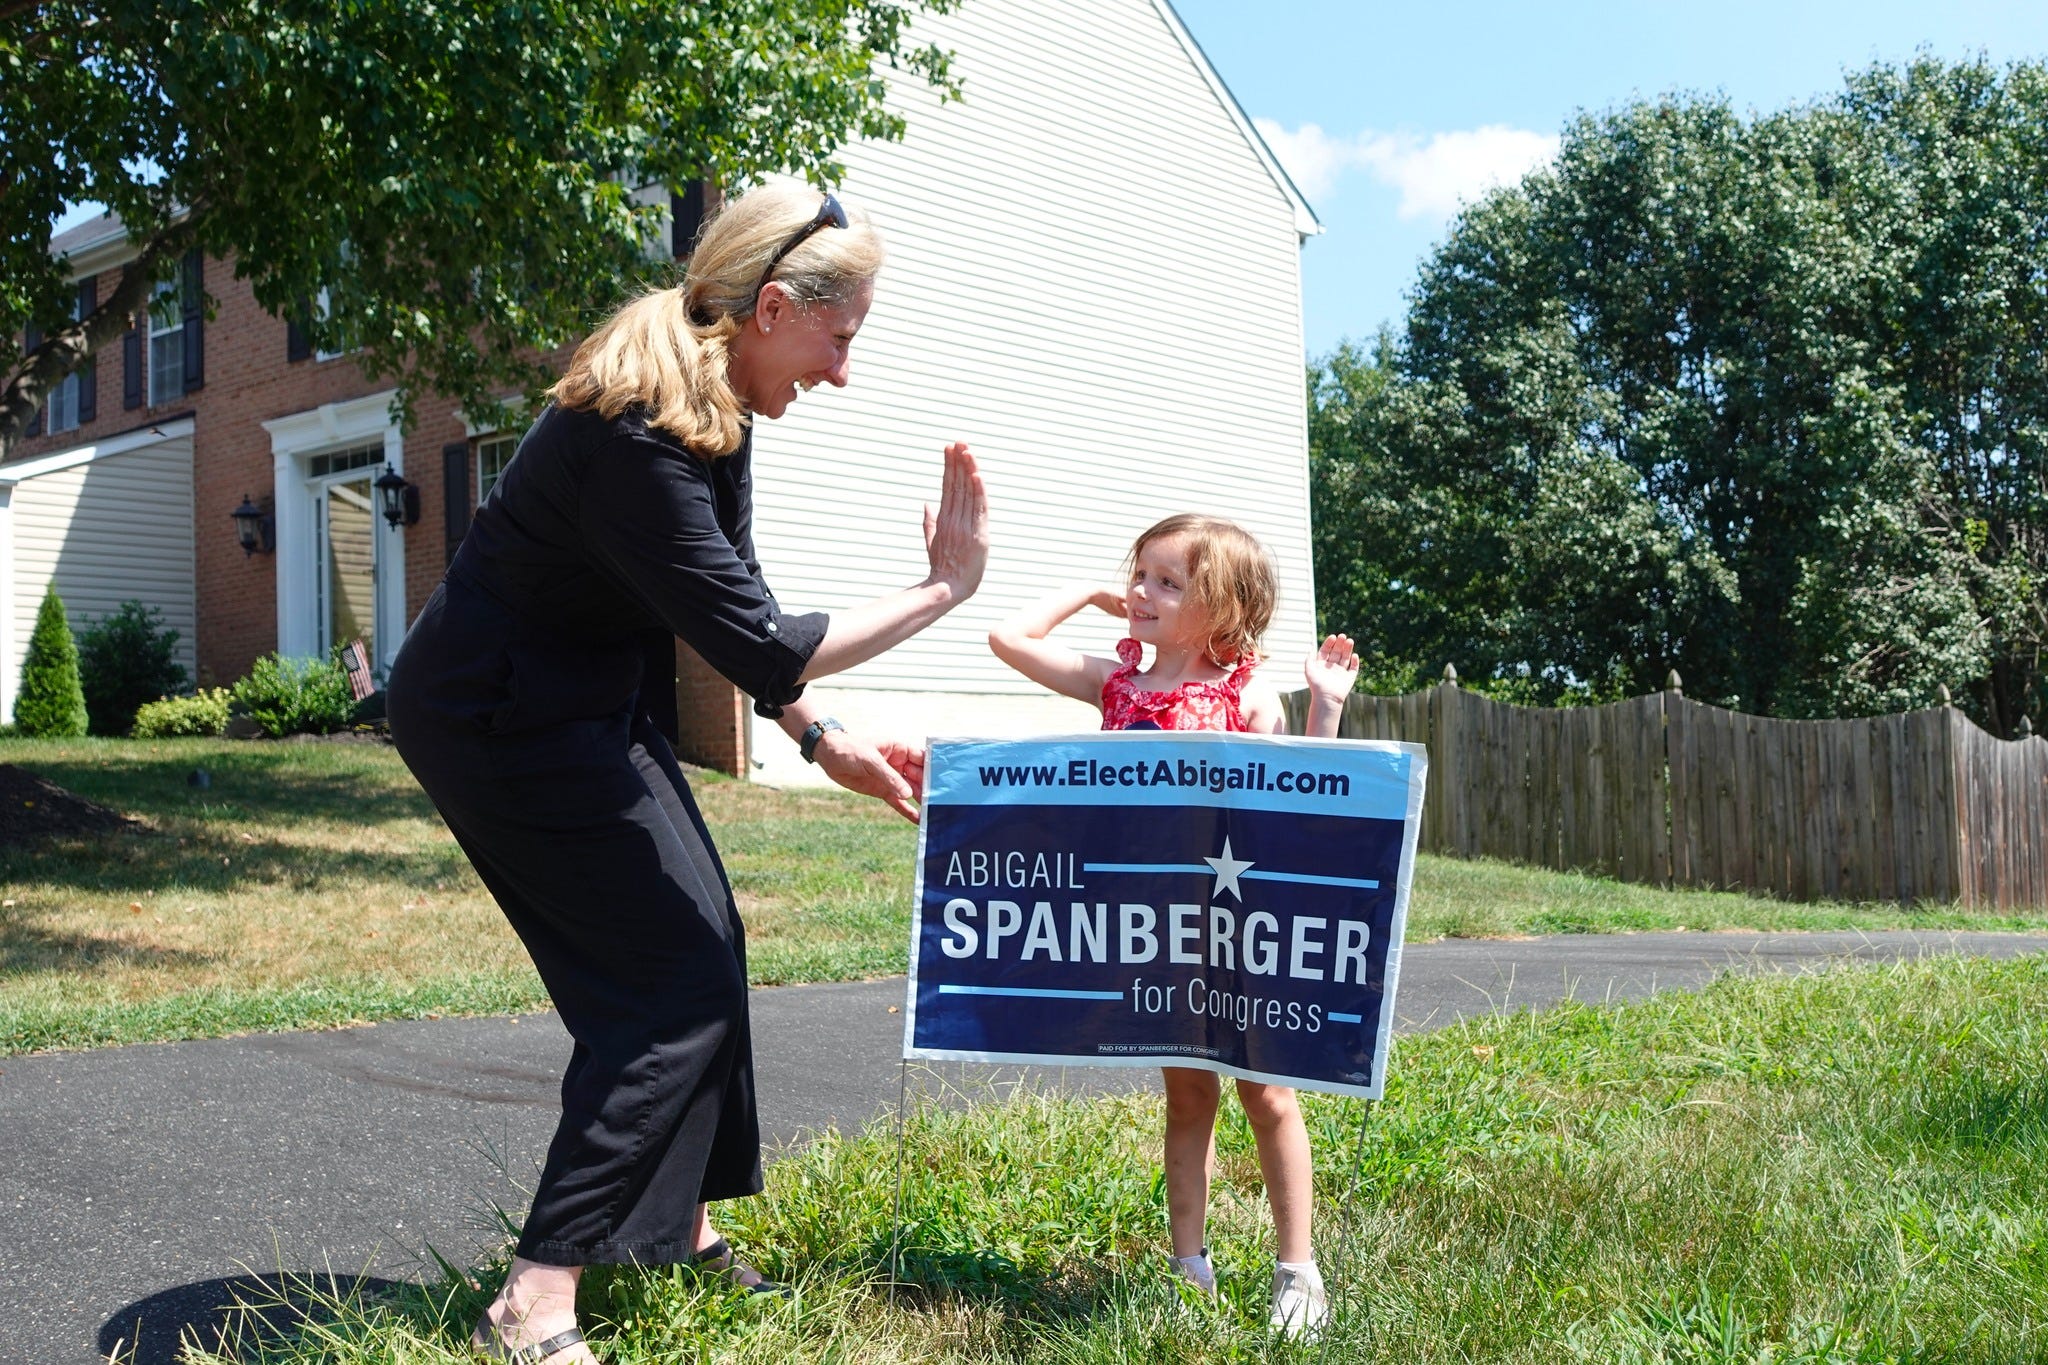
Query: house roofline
{"type": "Point", "coordinates": [92, 252]}
{"type": "Point", "coordinates": [101, 256]}
{"type": "Point", "coordinates": [135, 438]}
{"type": "Point", "coordinates": [109, 227]}
{"type": "Point", "coordinates": [1306, 224]}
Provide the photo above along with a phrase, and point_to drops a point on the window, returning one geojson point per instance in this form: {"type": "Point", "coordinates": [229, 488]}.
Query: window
{"type": "Point", "coordinates": [656, 227]}
{"type": "Point", "coordinates": [167, 342]}
{"type": "Point", "coordinates": [341, 461]}
{"type": "Point", "coordinates": [63, 405]}
{"type": "Point", "coordinates": [493, 453]}
{"type": "Point", "coordinates": [323, 308]}
{"type": "Point", "coordinates": [70, 404]}
{"type": "Point", "coordinates": [323, 304]}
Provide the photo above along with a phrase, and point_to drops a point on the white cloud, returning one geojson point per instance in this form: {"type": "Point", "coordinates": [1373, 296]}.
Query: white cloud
{"type": "Point", "coordinates": [1312, 158]}
{"type": "Point", "coordinates": [1435, 174]}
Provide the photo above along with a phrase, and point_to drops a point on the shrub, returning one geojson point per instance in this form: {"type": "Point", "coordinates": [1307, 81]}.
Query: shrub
{"type": "Point", "coordinates": [204, 713]}
{"type": "Point", "coordinates": [51, 704]}
{"type": "Point", "coordinates": [295, 696]}
{"type": "Point", "coordinates": [124, 660]}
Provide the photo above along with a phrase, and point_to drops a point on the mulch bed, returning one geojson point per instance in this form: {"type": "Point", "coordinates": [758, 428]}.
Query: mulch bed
{"type": "Point", "coordinates": [32, 807]}
{"type": "Point", "coordinates": [361, 734]}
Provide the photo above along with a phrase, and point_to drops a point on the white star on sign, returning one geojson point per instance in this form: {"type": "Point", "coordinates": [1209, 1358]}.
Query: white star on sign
{"type": "Point", "coordinates": [1228, 870]}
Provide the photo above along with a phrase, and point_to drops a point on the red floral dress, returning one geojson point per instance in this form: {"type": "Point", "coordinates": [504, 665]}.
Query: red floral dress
{"type": "Point", "coordinates": [1217, 705]}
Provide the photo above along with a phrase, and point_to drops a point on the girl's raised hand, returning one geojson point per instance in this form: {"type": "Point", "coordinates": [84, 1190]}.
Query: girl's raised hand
{"type": "Point", "coordinates": [1333, 669]}
{"type": "Point", "coordinates": [1111, 600]}
{"type": "Point", "coordinates": [956, 535]}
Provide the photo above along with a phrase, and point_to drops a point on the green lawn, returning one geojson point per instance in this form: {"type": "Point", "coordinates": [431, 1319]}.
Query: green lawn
{"type": "Point", "coordinates": [312, 885]}
{"type": "Point", "coordinates": [1845, 1167]}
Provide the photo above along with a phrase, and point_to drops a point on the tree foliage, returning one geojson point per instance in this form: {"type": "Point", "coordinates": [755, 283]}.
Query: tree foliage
{"type": "Point", "coordinates": [455, 177]}
{"type": "Point", "coordinates": [1765, 401]}
{"type": "Point", "coordinates": [125, 659]}
{"type": "Point", "coordinates": [50, 705]}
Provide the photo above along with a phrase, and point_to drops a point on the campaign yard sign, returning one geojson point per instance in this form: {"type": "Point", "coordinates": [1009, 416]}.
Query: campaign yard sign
{"type": "Point", "coordinates": [1224, 901]}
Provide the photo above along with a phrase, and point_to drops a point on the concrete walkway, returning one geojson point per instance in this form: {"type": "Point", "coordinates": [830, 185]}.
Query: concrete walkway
{"type": "Point", "coordinates": [143, 1187]}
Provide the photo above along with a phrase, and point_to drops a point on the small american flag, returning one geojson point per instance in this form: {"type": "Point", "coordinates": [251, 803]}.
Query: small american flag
{"type": "Point", "coordinates": [355, 661]}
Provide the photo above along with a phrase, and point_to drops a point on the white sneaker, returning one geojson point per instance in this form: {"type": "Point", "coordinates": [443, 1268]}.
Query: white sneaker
{"type": "Point", "coordinates": [1198, 1271]}
{"type": "Point", "coordinates": [1300, 1306]}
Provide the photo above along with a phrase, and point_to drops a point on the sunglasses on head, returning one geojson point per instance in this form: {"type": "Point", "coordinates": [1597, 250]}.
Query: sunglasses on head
{"type": "Point", "coordinates": [829, 214]}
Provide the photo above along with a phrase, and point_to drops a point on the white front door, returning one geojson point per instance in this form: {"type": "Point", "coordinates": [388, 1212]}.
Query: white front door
{"type": "Point", "coordinates": [348, 548]}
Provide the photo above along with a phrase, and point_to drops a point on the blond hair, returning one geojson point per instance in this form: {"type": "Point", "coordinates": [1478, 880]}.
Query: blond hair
{"type": "Point", "coordinates": [1231, 580]}
{"type": "Point", "coordinates": [667, 351]}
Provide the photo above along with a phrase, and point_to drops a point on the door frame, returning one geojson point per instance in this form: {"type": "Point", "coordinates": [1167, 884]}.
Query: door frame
{"type": "Point", "coordinates": [294, 441]}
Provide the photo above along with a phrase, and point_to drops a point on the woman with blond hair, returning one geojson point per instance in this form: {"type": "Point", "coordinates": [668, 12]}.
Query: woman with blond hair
{"type": "Point", "coordinates": [521, 704]}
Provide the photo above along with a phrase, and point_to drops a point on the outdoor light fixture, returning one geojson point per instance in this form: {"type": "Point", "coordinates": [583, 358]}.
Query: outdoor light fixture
{"type": "Point", "coordinates": [399, 499]}
{"type": "Point", "coordinates": [255, 527]}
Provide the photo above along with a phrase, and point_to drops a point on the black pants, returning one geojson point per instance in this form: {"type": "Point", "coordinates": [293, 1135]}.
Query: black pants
{"type": "Point", "coordinates": [589, 839]}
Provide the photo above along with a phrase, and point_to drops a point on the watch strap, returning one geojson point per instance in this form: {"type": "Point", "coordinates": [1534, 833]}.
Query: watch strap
{"type": "Point", "coordinates": [815, 731]}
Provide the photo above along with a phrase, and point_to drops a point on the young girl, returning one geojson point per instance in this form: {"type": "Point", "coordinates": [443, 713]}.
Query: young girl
{"type": "Point", "coordinates": [1201, 594]}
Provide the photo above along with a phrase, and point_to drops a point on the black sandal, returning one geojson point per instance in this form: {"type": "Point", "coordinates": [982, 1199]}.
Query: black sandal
{"type": "Point", "coordinates": [491, 1348]}
{"type": "Point", "coordinates": [717, 1259]}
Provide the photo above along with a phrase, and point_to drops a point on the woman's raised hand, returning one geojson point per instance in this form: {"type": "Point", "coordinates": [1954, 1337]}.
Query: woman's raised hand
{"type": "Point", "coordinates": [956, 536]}
{"type": "Point", "coordinates": [955, 540]}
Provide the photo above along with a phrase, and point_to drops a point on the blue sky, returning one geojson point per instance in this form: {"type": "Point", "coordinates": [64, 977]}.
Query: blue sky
{"type": "Point", "coordinates": [1390, 115]}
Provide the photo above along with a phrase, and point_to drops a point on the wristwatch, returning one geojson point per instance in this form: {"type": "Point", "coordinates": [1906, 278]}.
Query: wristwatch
{"type": "Point", "coordinates": [815, 731]}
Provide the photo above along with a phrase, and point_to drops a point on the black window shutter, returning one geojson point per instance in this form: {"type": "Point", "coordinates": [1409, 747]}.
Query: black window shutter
{"type": "Point", "coordinates": [298, 342]}
{"type": "Point", "coordinates": [455, 457]}
{"type": "Point", "coordinates": [194, 293]}
{"type": "Point", "coordinates": [89, 372]}
{"type": "Point", "coordinates": [133, 377]}
{"type": "Point", "coordinates": [686, 219]}
{"type": "Point", "coordinates": [29, 341]}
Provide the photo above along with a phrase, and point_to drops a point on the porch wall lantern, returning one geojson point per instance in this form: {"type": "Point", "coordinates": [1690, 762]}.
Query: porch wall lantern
{"type": "Point", "coordinates": [255, 527]}
{"type": "Point", "coordinates": [399, 500]}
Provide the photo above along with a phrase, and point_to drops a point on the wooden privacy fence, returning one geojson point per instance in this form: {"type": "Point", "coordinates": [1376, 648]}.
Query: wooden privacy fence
{"type": "Point", "coordinates": [1672, 792]}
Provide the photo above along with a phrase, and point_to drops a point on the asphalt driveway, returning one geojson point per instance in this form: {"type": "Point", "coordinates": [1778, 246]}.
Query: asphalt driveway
{"type": "Point", "coordinates": [143, 1187]}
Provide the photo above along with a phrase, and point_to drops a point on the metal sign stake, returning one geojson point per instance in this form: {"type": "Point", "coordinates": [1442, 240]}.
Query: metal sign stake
{"type": "Point", "coordinates": [896, 1219]}
{"type": "Point", "coordinates": [1341, 1263]}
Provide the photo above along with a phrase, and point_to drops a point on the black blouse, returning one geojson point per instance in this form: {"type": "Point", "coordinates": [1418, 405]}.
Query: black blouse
{"type": "Point", "coordinates": [602, 533]}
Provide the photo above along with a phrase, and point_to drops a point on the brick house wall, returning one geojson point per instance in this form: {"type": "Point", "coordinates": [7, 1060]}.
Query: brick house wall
{"type": "Point", "coordinates": [247, 379]}
{"type": "Point", "coordinates": [711, 715]}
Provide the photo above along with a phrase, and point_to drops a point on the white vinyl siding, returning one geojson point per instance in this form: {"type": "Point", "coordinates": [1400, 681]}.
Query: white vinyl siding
{"type": "Point", "coordinates": [1093, 279]}
{"type": "Point", "coordinates": [116, 528]}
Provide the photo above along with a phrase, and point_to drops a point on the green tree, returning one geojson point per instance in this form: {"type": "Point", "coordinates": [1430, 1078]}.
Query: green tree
{"type": "Point", "coordinates": [50, 705]}
{"type": "Point", "coordinates": [455, 181]}
{"type": "Point", "coordinates": [1763, 400]}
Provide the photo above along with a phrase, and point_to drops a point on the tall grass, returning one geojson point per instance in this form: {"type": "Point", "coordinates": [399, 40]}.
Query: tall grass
{"type": "Point", "coordinates": [1846, 1167]}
